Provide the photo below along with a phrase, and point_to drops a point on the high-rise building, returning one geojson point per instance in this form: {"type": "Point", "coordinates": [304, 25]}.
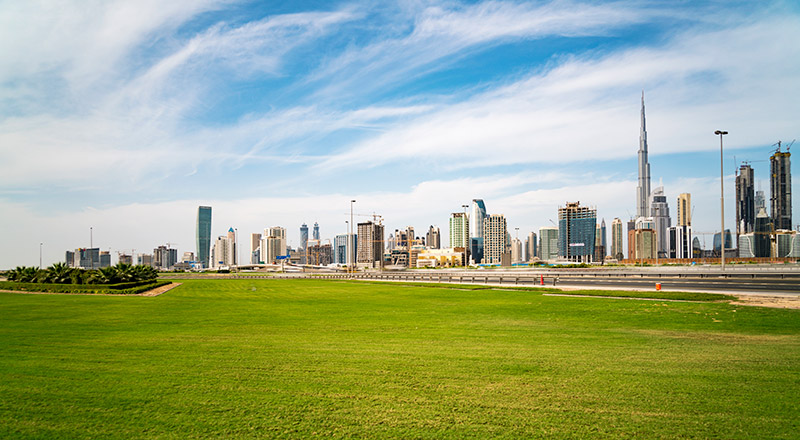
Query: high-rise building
{"type": "Point", "coordinates": [164, 257]}
{"type": "Point", "coordinates": [728, 241]}
{"type": "Point", "coordinates": [222, 252]}
{"type": "Point", "coordinates": [616, 239]}
{"type": "Point", "coordinates": [340, 249]}
{"type": "Point", "coordinates": [763, 229]}
{"type": "Point", "coordinates": [478, 213]}
{"type": "Point", "coordinates": [203, 235]}
{"type": "Point", "coordinates": [255, 245]}
{"type": "Point", "coordinates": [643, 187]}
{"type": "Point", "coordinates": [548, 243]}
{"type": "Point", "coordinates": [659, 211]}
{"type": "Point", "coordinates": [641, 244]}
{"type": "Point", "coordinates": [747, 245]}
{"type": "Point", "coordinates": [531, 246]}
{"type": "Point", "coordinates": [760, 200]}
{"type": "Point", "coordinates": [495, 235]}
{"type": "Point", "coordinates": [459, 230]}
{"type": "Point", "coordinates": [783, 243]}
{"type": "Point", "coordinates": [316, 231]}
{"type": "Point", "coordinates": [370, 244]}
{"type": "Point", "coordinates": [433, 238]}
{"type": "Point", "coordinates": [603, 241]}
{"type": "Point", "coordinates": [303, 237]}
{"type": "Point", "coordinates": [684, 209]}
{"type": "Point", "coordinates": [516, 251]}
{"type": "Point", "coordinates": [680, 241]}
{"type": "Point", "coordinates": [781, 189]}
{"type": "Point", "coordinates": [599, 250]}
{"type": "Point", "coordinates": [576, 232]}
{"type": "Point", "coordinates": [232, 237]}
{"type": "Point", "coordinates": [745, 200]}
{"type": "Point", "coordinates": [273, 244]}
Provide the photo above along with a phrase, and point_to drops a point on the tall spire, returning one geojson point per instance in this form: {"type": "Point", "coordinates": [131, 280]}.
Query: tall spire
{"type": "Point", "coordinates": [643, 187]}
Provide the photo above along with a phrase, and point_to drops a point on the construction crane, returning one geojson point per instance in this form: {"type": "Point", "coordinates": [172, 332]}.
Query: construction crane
{"type": "Point", "coordinates": [376, 218]}
{"type": "Point", "coordinates": [778, 150]}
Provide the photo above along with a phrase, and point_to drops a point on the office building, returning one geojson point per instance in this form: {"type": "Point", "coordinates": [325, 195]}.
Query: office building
{"type": "Point", "coordinates": [433, 238]}
{"type": "Point", "coordinates": [203, 235]}
{"type": "Point", "coordinates": [616, 239]}
{"type": "Point", "coordinates": [763, 230]}
{"type": "Point", "coordinates": [340, 249]}
{"type": "Point", "coordinates": [747, 245]}
{"type": "Point", "coordinates": [369, 251]}
{"type": "Point", "coordinates": [728, 242]}
{"type": "Point", "coordinates": [478, 214]}
{"type": "Point", "coordinates": [303, 237]}
{"type": "Point", "coordinates": [576, 232]}
{"type": "Point", "coordinates": [548, 243]}
{"type": "Point", "coordinates": [684, 209]}
{"type": "Point", "coordinates": [495, 236]}
{"type": "Point", "coordinates": [781, 189]}
{"type": "Point", "coordinates": [659, 211]}
{"type": "Point", "coordinates": [128, 259]}
{"type": "Point", "coordinates": [680, 241]}
{"type": "Point", "coordinates": [83, 258]}
{"type": "Point", "coordinates": [783, 243]}
{"type": "Point", "coordinates": [316, 231]}
{"type": "Point", "coordinates": [745, 200]}
{"type": "Point", "coordinates": [643, 187]}
{"type": "Point", "coordinates": [144, 260]}
{"type": "Point", "coordinates": [760, 200]}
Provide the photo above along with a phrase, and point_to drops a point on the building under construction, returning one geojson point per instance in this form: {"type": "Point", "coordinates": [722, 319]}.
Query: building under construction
{"type": "Point", "coordinates": [781, 188]}
{"type": "Point", "coordinates": [370, 244]}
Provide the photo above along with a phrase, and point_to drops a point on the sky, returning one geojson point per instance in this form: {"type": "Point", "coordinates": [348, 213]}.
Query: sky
{"type": "Point", "coordinates": [122, 117]}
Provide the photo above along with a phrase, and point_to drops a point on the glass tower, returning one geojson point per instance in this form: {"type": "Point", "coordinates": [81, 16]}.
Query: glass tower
{"type": "Point", "coordinates": [203, 234]}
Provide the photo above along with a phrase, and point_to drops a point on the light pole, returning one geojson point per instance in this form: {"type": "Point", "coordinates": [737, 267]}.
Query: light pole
{"type": "Point", "coordinates": [721, 201]}
{"type": "Point", "coordinates": [91, 245]}
{"type": "Point", "coordinates": [236, 247]}
{"type": "Point", "coordinates": [351, 242]}
{"type": "Point", "coordinates": [40, 255]}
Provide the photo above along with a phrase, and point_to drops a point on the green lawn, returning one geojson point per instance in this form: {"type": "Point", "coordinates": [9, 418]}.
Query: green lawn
{"type": "Point", "coordinates": [308, 358]}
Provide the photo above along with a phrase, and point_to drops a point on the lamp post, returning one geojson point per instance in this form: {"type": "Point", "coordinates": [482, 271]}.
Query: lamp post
{"type": "Point", "coordinates": [350, 241]}
{"type": "Point", "coordinates": [721, 201]}
{"type": "Point", "coordinates": [236, 247]}
{"type": "Point", "coordinates": [40, 255]}
{"type": "Point", "coordinates": [91, 245]}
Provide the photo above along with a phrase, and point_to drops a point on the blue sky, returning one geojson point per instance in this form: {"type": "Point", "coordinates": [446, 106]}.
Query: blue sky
{"type": "Point", "coordinates": [124, 116]}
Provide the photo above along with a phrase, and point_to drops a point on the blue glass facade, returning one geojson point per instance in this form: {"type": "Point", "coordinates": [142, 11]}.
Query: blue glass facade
{"type": "Point", "coordinates": [203, 234]}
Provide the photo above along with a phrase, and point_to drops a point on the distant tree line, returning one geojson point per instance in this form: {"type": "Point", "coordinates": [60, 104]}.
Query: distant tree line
{"type": "Point", "coordinates": [61, 273]}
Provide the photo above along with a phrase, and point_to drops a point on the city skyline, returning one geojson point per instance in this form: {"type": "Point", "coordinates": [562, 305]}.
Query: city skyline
{"type": "Point", "coordinates": [405, 110]}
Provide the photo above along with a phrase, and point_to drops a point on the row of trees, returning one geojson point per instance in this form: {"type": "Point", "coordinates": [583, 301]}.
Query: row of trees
{"type": "Point", "coordinates": [61, 273]}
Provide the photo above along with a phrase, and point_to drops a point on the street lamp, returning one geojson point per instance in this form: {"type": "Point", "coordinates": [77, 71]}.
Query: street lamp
{"type": "Point", "coordinates": [40, 255]}
{"type": "Point", "coordinates": [721, 133]}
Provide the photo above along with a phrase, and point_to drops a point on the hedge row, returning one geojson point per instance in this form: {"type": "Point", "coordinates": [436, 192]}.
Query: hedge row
{"type": "Point", "coordinates": [116, 289]}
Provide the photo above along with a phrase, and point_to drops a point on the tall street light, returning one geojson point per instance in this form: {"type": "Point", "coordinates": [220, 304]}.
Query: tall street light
{"type": "Point", "coordinates": [721, 133]}
{"type": "Point", "coordinates": [40, 255]}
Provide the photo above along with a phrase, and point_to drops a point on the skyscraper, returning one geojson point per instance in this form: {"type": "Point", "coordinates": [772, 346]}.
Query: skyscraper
{"type": "Point", "coordinates": [659, 210]}
{"type": "Point", "coordinates": [643, 188]}
{"type": "Point", "coordinates": [433, 238]}
{"type": "Point", "coordinates": [459, 230]}
{"type": "Point", "coordinates": [548, 243]}
{"type": "Point", "coordinates": [531, 246]}
{"type": "Point", "coordinates": [478, 213]}
{"type": "Point", "coordinates": [232, 238]}
{"type": "Point", "coordinates": [763, 228]}
{"type": "Point", "coordinates": [255, 245]}
{"type": "Point", "coordinates": [745, 200]}
{"type": "Point", "coordinates": [316, 231]}
{"type": "Point", "coordinates": [495, 237]}
{"type": "Point", "coordinates": [684, 209]}
{"type": "Point", "coordinates": [616, 239]}
{"type": "Point", "coordinates": [370, 244]}
{"type": "Point", "coordinates": [516, 251]}
{"type": "Point", "coordinates": [273, 244]}
{"type": "Point", "coordinates": [576, 232]}
{"type": "Point", "coordinates": [203, 235]}
{"type": "Point", "coordinates": [303, 237]}
{"type": "Point", "coordinates": [781, 189]}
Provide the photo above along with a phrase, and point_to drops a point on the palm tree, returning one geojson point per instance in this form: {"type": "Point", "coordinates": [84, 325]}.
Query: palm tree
{"type": "Point", "coordinates": [143, 273]}
{"type": "Point", "coordinates": [59, 273]}
{"type": "Point", "coordinates": [125, 272]}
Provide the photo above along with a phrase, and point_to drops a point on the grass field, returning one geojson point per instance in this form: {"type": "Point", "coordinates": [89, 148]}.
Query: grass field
{"type": "Point", "coordinates": [308, 358]}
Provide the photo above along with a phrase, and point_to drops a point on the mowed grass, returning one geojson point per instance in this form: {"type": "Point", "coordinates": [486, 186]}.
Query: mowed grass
{"type": "Point", "coordinates": [315, 358]}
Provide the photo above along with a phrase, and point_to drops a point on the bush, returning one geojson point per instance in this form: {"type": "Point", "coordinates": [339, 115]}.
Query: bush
{"type": "Point", "coordinates": [115, 289]}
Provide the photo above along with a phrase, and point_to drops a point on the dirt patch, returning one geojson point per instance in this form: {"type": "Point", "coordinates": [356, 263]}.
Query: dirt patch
{"type": "Point", "coordinates": [153, 292]}
{"type": "Point", "coordinates": [778, 302]}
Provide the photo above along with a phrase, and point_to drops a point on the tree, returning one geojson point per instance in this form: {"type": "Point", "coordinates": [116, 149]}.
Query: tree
{"type": "Point", "coordinates": [59, 273]}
